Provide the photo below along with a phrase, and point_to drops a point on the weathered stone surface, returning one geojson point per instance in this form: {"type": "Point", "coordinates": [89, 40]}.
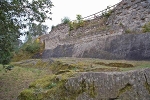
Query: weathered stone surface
{"type": "Point", "coordinates": [132, 85]}
{"type": "Point", "coordinates": [126, 46]}
{"type": "Point", "coordinates": [128, 7]}
{"type": "Point", "coordinates": [59, 51]}
{"type": "Point", "coordinates": [105, 38]}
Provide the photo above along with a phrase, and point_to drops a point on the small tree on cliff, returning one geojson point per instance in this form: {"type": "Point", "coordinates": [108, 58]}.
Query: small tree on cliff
{"type": "Point", "coordinates": [65, 20]}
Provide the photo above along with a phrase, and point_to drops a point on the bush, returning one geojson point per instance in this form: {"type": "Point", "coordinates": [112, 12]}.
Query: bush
{"type": "Point", "coordinates": [65, 20]}
{"type": "Point", "coordinates": [52, 27]}
{"type": "Point", "coordinates": [71, 26]}
{"type": "Point", "coordinates": [146, 27]}
{"type": "Point", "coordinates": [33, 47]}
{"type": "Point", "coordinates": [76, 23]}
{"type": "Point", "coordinates": [107, 14]}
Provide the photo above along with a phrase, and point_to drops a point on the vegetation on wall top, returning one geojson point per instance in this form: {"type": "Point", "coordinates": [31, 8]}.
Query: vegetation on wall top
{"type": "Point", "coordinates": [146, 27]}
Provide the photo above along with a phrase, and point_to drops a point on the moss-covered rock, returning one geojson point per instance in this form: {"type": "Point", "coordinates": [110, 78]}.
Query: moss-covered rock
{"type": "Point", "coordinates": [48, 88]}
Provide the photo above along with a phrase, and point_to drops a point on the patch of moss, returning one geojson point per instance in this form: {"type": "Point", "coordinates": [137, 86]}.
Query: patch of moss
{"type": "Point", "coordinates": [146, 27]}
{"type": "Point", "coordinates": [27, 94]}
{"type": "Point", "coordinates": [62, 71]}
{"type": "Point", "coordinates": [48, 88]}
{"type": "Point", "coordinates": [120, 65]}
{"type": "Point", "coordinates": [84, 87]}
{"type": "Point", "coordinates": [58, 66]}
{"type": "Point", "coordinates": [42, 83]}
{"type": "Point", "coordinates": [104, 69]}
{"type": "Point", "coordinates": [127, 87]}
{"type": "Point", "coordinates": [147, 86]}
{"type": "Point", "coordinates": [92, 90]}
{"type": "Point", "coordinates": [128, 31]}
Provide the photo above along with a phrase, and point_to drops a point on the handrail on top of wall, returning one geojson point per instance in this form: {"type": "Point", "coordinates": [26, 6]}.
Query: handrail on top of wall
{"type": "Point", "coordinates": [100, 13]}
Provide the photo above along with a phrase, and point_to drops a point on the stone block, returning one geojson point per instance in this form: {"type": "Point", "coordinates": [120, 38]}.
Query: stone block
{"type": "Point", "coordinates": [144, 4]}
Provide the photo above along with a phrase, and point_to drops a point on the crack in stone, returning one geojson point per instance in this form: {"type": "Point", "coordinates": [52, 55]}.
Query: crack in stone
{"type": "Point", "coordinates": [127, 87]}
{"type": "Point", "coordinates": [147, 86]}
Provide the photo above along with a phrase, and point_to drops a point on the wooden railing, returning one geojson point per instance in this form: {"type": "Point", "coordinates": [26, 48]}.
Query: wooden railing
{"type": "Point", "coordinates": [100, 13]}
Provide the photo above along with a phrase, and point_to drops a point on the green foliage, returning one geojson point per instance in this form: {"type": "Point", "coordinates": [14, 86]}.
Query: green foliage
{"type": "Point", "coordinates": [28, 50]}
{"type": "Point", "coordinates": [5, 57]}
{"type": "Point", "coordinates": [37, 29]}
{"type": "Point", "coordinates": [107, 14]}
{"type": "Point", "coordinates": [76, 23]}
{"type": "Point", "coordinates": [14, 16]}
{"type": "Point", "coordinates": [128, 31]}
{"type": "Point", "coordinates": [79, 18]}
{"type": "Point", "coordinates": [65, 20]}
{"type": "Point", "coordinates": [146, 27]}
{"type": "Point", "coordinates": [52, 27]}
{"type": "Point", "coordinates": [47, 88]}
{"type": "Point", "coordinates": [33, 47]}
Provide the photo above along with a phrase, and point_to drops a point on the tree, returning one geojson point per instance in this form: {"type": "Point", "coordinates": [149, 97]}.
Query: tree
{"type": "Point", "coordinates": [15, 16]}
{"type": "Point", "coordinates": [79, 18]}
{"type": "Point", "coordinates": [37, 29]}
{"type": "Point", "coordinates": [65, 20]}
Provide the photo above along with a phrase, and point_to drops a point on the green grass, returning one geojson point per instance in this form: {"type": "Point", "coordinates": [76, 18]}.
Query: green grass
{"type": "Point", "coordinates": [90, 63]}
{"type": "Point", "coordinates": [14, 81]}
{"type": "Point", "coordinates": [26, 72]}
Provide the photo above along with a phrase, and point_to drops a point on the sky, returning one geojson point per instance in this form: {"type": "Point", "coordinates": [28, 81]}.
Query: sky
{"type": "Point", "coordinates": [70, 8]}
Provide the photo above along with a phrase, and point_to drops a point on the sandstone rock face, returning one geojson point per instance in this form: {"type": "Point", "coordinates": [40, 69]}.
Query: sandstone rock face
{"type": "Point", "coordinates": [117, 37]}
{"type": "Point", "coordinates": [132, 85]}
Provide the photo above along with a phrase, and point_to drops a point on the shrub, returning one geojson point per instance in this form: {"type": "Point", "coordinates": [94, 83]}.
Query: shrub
{"type": "Point", "coordinates": [76, 23]}
{"type": "Point", "coordinates": [107, 14]}
{"type": "Point", "coordinates": [33, 47]}
{"type": "Point", "coordinates": [52, 27]}
{"type": "Point", "coordinates": [146, 27]}
{"type": "Point", "coordinates": [65, 20]}
{"type": "Point", "coordinates": [71, 27]}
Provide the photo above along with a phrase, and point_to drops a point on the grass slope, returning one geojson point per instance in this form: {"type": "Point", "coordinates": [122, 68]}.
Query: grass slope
{"type": "Point", "coordinates": [46, 77]}
{"type": "Point", "coordinates": [14, 81]}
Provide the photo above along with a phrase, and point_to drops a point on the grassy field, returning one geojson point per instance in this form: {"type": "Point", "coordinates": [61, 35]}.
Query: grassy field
{"type": "Point", "coordinates": [27, 71]}
{"type": "Point", "coordinates": [14, 81]}
{"type": "Point", "coordinates": [88, 63]}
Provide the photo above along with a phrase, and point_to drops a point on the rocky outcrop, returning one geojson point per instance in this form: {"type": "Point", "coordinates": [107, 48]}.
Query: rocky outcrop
{"type": "Point", "coordinates": [117, 37]}
{"type": "Point", "coordinates": [132, 14]}
{"type": "Point", "coordinates": [75, 85]}
{"type": "Point", "coordinates": [132, 85]}
{"type": "Point", "coordinates": [126, 46]}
